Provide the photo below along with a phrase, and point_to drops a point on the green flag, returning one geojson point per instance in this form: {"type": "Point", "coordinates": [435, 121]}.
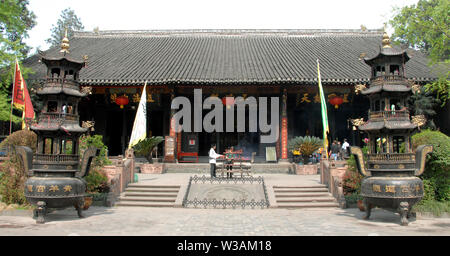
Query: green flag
{"type": "Point", "coordinates": [323, 106]}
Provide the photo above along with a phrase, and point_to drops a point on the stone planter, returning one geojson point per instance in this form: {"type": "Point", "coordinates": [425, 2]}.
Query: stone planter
{"type": "Point", "coordinates": [155, 168]}
{"type": "Point", "coordinates": [309, 169]}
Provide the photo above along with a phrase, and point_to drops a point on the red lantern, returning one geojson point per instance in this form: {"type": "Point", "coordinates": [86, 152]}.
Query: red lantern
{"type": "Point", "coordinates": [228, 101]}
{"type": "Point", "coordinates": [122, 100]}
{"type": "Point", "coordinates": [336, 101]}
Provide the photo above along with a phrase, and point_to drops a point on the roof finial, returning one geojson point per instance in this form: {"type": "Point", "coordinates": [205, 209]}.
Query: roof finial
{"type": "Point", "coordinates": [65, 43]}
{"type": "Point", "coordinates": [386, 42]}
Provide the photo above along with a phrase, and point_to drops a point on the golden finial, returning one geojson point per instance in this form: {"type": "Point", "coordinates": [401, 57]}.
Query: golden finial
{"type": "Point", "coordinates": [386, 42]}
{"type": "Point", "coordinates": [65, 43]}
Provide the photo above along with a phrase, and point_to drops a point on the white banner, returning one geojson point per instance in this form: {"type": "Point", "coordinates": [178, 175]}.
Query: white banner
{"type": "Point", "coordinates": [139, 131]}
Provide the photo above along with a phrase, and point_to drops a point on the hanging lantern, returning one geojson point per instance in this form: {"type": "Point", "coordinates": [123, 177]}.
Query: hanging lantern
{"type": "Point", "coordinates": [228, 101]}
{"type": "Point", "coordinates": [336, 101]}
{"type": "Point", "coordinates": [122, 100]}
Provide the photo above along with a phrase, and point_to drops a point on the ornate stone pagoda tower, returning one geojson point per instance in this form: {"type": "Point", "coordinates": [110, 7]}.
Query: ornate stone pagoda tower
{"type": "Point", "coordinates": [391, 164]}
{"type": "Point", "coordinates": [55, 168]}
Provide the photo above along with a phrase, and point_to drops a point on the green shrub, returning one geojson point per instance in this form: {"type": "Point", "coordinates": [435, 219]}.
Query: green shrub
{"type": "Point", "coordinates": [96, 141]}
{"type": "Point", "coordinates": [307, 145]}
{"type": "Point", "coordinates": [20, 138]}
{"type": "Point", "coordinates": [13, 176]}
{"type": "Point", "coordinates": [145, 147]}
{"type": "Point", "coordinates": [435, 207]}
{"type": "Point", "coordinates": [12, 182]}
{"type": "Point", "coordinates": [437, 168]}
{"type": "Point", "coordinates": [429, 190]}
{"type": "Point", "coordinates": [97, 182]}
{"type": "Point", "coordinates": [351, 181]}
{"type": "Point", "coordinates": [353, 198]}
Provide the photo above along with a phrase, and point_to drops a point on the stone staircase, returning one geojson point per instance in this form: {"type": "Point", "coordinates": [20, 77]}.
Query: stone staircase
{"type": "Point", "coordinates": [143, 195]}
{"type": "Point", "coordinates": [312, 196]}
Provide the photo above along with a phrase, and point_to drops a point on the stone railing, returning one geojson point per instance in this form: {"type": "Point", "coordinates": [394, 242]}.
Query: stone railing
{"type": "Point", "coordinates": [56, 82]}
{"type": "Point", "coordinates": [119, 176]}
{"type": "Point", "coordinates": [394, 115]}
{"type": "Point", "coordinates": [55, 117]}
{"type": "Point", "coordinates": [55, 158]}
{"type": "Point", "coordinates": [331, 175]}
{"type": "Point", "coordinates": [391, 157]}
{"type": "Point", "coordinates": [389, 79]}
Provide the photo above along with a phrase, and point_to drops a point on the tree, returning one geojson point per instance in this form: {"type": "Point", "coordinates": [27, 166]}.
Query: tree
{"type": "Point", "coordinates": [68, 20]}
{"type": "Point", "coordinates": [15, 22]}
{"type": "Point", "coordinates": [422, 103]}
{"type": "Point", "coordinates": [425, 27]}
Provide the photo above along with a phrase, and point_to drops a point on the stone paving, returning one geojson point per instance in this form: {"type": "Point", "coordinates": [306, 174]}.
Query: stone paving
{"type": "Point", "coordinates": [132, 221]}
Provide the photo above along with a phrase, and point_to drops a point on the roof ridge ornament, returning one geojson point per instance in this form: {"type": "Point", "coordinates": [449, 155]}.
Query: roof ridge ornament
{"type": "Point", "coordinates": [65, 44]}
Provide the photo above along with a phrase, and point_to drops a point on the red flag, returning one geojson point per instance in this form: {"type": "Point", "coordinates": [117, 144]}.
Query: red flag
{"type": "Point", "coordinates": [21, 97]}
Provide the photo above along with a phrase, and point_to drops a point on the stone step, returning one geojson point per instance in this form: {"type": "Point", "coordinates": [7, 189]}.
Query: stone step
{"type": "Point", "coordinates": [308, 205]}
{"type": "Point", "coordinates": [152, 190]}
{"type": "Point", "coordinates": [147, 199]}
{"type": "Point", "coordinates": [301, 194]}
{"type": "Point", "coordinates": [145, 204]}
{"type": "Point", "coordinates": [306, 199]}
{"type": "Point", "coordinates": [300, 190]}
{"type": "Point", "coordinates": [143, 194]}
{"type": "Point", "coordinates": [140, 185]}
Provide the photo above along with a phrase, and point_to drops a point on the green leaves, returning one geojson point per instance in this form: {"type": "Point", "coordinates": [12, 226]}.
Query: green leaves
{"type": "Point", "coordinates": [15, 22]}
{"type": "Point", "coordinates": [306, 145]}
{"type": "Point", "coordinates": [425, 26]}
{"type": "Point", "coordinates": [96, 141]}
{"type": "Point", "coordinates": [145, 147]}
{"type": "Point", "coordinates": [67, 20]}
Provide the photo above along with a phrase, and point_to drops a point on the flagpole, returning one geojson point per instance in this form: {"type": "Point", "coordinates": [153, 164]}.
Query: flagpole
{"type": "Point", "coordinates": [12, 99]}
{"type": "Point", "coordinates": [324, 112]}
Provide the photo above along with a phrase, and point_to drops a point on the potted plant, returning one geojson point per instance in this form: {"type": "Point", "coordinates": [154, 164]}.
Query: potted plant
{"type": "Point", "coordinates": [97, 187]}
{"type": "Point", "coordinates": [146, 147]}
{"type": "Point", "coordinates": [305, 145]}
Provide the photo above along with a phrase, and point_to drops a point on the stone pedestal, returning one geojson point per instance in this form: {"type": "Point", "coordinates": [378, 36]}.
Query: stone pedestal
{"type": "Point", "coordinates": [309, 169]}
{"type": "Point", "coordinates": [155, 168]}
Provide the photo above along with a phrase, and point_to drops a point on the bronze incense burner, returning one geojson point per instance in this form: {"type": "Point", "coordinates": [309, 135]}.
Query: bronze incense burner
{"type": "Point", "coordinates": [55, 170]}
{"type": "Point", "coordinates": [391, 166]}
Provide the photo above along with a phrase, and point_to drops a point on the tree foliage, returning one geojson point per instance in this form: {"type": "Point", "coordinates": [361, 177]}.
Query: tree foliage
{"type": "Point", "coordinates": [146, 146]}
{"type": "Point", "coordinates": [69, 20]}
{"type": "Point", "coordinates": [15, 22]}
{"type": "Point", "coordinates": [425, 26]}
{"type": "Point", "coordinates": [422, 103]}
{"type": "Point", "coordinates": [437, 168]}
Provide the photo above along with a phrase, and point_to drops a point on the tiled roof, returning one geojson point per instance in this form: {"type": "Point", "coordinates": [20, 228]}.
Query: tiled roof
{"type": "Point", "coordinates": [227, 57]}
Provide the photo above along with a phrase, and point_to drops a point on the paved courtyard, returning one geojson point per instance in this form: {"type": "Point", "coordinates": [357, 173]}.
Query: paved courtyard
{"type": "Point", "coordinates": [132, 221]}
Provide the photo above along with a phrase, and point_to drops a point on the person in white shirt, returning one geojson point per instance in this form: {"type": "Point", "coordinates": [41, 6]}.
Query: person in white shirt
{"type": "Point", "coordinates": [212, 160]}
{"type": "Point", "coordinates": [344, 147]}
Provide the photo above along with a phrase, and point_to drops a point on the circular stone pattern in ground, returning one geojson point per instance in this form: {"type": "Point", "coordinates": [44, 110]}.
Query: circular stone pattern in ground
{"type": "Point", "coordinates": [227, 193]}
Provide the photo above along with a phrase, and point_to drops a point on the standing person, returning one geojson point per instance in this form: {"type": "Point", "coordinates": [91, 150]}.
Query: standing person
{"type": "Point", "coordinates": [345, 146]}
{"type": "Point", "coordinates": [334, 150]}
{"type": "Point", "coordinates": [212, 160]}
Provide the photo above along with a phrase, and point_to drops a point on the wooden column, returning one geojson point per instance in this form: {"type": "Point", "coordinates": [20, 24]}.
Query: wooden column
{"type": "Point", "coordinates": [284, 127]}
{"type": "Point", "coordinates": [169, 155]}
